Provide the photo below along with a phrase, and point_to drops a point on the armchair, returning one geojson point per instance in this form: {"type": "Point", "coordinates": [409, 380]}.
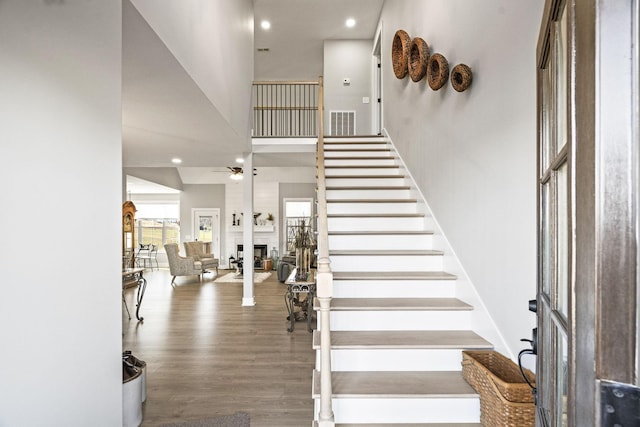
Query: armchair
{"type": "Point", "coordinates": [196, 250]}
{"type": "Point", "coordinates": [181, 266]}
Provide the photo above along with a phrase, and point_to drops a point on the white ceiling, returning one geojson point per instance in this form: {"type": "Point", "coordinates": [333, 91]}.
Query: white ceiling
{"type": "Point", "coordinates": [166, 115]}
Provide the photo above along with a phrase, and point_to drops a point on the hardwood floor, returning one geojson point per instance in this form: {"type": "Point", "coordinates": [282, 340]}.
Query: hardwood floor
{"type": "Point", "coordinates": [207, 355]}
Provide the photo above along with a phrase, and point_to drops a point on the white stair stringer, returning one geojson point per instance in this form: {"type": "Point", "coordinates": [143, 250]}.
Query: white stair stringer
{"type": "Point", "coordinates": [397, 328]}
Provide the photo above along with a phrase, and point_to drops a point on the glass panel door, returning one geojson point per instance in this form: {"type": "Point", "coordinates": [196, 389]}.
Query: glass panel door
{"type": "Point", "coordinates": [554, 213]}
{"type": "Point", "coordinates": [206, 228]}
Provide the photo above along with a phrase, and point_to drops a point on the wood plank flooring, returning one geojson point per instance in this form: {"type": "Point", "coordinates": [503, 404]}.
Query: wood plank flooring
{"type": "Point", "coordinates": [207, 355]}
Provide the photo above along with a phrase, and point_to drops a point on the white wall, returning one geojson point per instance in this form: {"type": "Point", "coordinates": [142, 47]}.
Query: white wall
{"type": "Point", "coordinates": [201, 196]}
{"type": "Point", "coordinates": [348, 59]}
{"type": "Point", "coordinates": [213, 41]}
{"type": "Point", "coordinates": [473, 154]}
{"type": "Point", "coordinates": [60, 138]}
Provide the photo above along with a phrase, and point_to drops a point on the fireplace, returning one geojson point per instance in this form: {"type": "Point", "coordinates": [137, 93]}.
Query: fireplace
{"type": "Point", "coordinates": [259, 254]}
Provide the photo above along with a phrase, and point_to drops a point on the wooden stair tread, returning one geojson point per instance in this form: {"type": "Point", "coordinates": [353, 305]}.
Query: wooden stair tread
{"type": "Point", "coordinates": [413, 384]}
{"type": "Point", "coordinates": [371, 200]}
{"type": "Point", "coordinates": [380, 233]}
{"type": "Point", "coordinates": [361, 167]}
{"type": "Point", "coordinates": [372, 142]}
{"type": "Point", "coordinates": [364, 176]}
{"type": "Point", "coordinates": [404, 340]}
{"type": "Point", "coordinates": [364, 150]}
{"type": "Point", "coordinates": [389, 304]}
{"type": "Point", "coordinates": [399, 252]}
{"type": "Point", "coordinates": [392, 275]}
{"type": "Point", "coordinates": [376, 187]}
{"type": "Point", "coordinates": [360, 158]}
{"type": "Point", "coordinates": [377, 215]}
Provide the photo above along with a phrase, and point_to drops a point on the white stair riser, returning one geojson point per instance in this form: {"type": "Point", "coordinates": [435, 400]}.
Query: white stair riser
{"type": "Point", "coordinates": [362, 171]}
{"type": "Point", "coordinates": [394, 360]}
{"type": "Point", "coordinates": [346, 146]}
{"type": "Point", "coordinates": [347, 153]}
{"type": "Point", "coordinates": [381, 242]}
{"type": "Point", "coordinates": [373, 193]}
{"type": "Point", "coordinates": [364, 182]}
{"type": "Point", "coordinates": [360, 162]}
{"type": "Point", "coordinates": [364, 208]}
{"type": "Point", "coordinates": [415, 410]}
{"type": "Point", "coordinates": [394, 288]}
{"type": "Point", "coordinates": [400, 320]}
{"type": "Point", "coordinates": [378, 223]}
{"type": "Point", "coordinates": [386, 263]}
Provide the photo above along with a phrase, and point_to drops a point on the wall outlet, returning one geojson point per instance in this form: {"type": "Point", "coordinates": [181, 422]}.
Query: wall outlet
{"type": "Point", "coordinates": [365, 99]}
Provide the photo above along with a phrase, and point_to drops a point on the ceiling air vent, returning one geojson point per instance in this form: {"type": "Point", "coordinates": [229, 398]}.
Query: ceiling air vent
{"type": "Point", "coordinates": [343, 123]}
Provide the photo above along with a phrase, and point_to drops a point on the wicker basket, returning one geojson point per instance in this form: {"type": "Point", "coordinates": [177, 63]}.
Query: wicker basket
{"type": "Point", "coordinates": [505, 397]}
{"type": "Point", "coordinates": [400, 53]}
{"type": "Point", "coordinates": [418, 59]}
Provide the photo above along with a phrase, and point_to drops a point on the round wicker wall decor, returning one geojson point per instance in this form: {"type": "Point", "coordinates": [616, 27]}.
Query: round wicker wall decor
{"type": "Point", "coordinates": [400, 53]}
{"type": "Point", "coordinates": [418, 59]}
{"type": "Point", "coordinates": [461, 77]}
{"type": "Point", "coordinates": [437, 71]}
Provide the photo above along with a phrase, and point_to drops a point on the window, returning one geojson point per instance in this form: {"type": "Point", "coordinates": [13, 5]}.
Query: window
{"type": "Point", "coordinates": [157, 223]}
{"type": "Point", "coordinates": [296, 211]}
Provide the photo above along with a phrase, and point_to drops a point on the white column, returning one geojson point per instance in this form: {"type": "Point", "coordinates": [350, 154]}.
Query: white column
{"type": "Point", "coordinates": [247, 230]}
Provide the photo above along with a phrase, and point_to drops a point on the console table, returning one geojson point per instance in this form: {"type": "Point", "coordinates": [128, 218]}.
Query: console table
{"type": "Point", "coordinates": [134, 277]}
{"type": "Point", "coordinates": [295, 289]}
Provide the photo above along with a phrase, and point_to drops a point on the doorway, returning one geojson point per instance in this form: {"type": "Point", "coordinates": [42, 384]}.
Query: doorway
{"type": "Point", "coordinates": [296, 211]}
{"type": "Point", "coordinates": [206, 227]}
{"type": "Point", "coordinates": [377, 83]}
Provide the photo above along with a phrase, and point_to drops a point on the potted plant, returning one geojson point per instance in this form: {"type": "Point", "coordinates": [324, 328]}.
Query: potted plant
{"type": "Point", "coordinates": [270, 219]}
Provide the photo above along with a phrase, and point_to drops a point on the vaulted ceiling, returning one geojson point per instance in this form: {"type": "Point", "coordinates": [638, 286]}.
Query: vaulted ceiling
{"type": "Point", "coordinates": [166, 114]}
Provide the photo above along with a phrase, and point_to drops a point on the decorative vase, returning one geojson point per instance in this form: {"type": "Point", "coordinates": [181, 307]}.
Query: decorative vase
{"type": "Point", "coordinates": [303, 263]}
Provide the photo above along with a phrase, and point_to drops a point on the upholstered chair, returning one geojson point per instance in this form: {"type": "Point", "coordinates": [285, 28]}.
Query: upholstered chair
{"type": "Point", "coordinates": [196, 250]}
{"type": "Point", "coordinates": [181, 266]}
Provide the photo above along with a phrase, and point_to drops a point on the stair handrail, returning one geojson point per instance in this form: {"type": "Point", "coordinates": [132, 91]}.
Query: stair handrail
{"type": "Point", "coordinates": [324, 276]}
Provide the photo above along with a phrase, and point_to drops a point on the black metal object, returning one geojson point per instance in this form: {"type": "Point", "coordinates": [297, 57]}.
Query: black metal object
{"type": "Point", "coordinates": [619, 404]}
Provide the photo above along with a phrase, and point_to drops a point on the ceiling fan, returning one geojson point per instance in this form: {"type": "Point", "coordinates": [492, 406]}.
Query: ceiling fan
{"type": "Point", "coordinates": [237, 172]}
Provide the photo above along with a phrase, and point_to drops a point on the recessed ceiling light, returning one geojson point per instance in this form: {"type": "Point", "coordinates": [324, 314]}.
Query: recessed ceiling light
{"type": "Point", "coordinates": [239, 160]}
{"type": "Point", "coordinates": [176, 160]}
{"type": "Point", "coordinates": [265, 25]}
{"type": "Point", "coordinates": [350, 23]}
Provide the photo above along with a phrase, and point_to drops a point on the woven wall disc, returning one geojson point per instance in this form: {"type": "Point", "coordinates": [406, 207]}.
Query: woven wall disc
{"type": "Point", "coordinates": [400, 53]}
{"type": "Point", "coordinates": [461, 77]}
{"type": "Point", "coordinates": [418, 59]}
{"type": "Point", "coordinates": [437, 71]}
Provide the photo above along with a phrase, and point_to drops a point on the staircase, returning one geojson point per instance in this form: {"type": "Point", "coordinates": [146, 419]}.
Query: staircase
{"type": "Point", "coordinates": [397, 330]}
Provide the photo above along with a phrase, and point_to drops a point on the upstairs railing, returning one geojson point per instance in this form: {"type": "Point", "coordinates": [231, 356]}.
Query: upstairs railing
{"type": "Point", "coordinates": [285, 109]}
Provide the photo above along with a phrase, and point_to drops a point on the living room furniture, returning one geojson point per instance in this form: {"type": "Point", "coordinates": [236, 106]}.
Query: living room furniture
{"type": "Point", "coordinates": [181, 266]}
{"type": "Point", "coordinates": [147, 254]}
{"type": "Point", "coordinates": [134, 277]}
{"type": "Point", "coordinates": [292, 299]}
{"type": "Point", "coordinates": [238, 264]}
{"type": "Point", "coordinates": [197, 251]}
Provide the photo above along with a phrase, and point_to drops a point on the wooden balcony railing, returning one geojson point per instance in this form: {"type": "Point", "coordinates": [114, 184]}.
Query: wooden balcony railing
{"type": "Point", "coordinates": [285, 109]}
